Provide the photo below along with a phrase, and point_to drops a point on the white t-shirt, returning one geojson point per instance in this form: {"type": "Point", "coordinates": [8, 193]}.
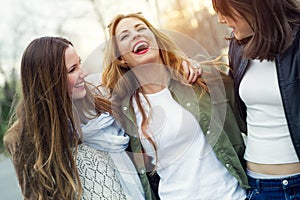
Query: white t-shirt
{"type": "Point", "coordinates": [269, 140]}
{"type": "Point", "coordinates": [187, 165]}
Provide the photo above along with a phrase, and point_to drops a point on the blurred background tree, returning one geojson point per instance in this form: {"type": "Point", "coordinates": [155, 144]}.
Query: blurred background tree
{"type": "Point", "coordinates": [198, 22]}
{"type": "Point", "coordinates": [7, 95]}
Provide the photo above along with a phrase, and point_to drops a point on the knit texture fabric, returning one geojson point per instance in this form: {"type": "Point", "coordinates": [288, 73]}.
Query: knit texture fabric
{"type": "Point", "coordinates": [98, 175]}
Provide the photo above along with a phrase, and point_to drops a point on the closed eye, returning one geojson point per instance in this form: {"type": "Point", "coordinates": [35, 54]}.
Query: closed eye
{"type": "Point", "coordinates": [72, 69]}
{"type": "Point", "coordinates": [141, 29]}
{"type": "Point", "coordinates": [123, 37]}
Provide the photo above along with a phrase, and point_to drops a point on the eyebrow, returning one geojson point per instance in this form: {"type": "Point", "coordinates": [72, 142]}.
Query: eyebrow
{"type": "Point", "coordinates": [135, 26]}
{"type": "Point", "coordinates": [75, 64]}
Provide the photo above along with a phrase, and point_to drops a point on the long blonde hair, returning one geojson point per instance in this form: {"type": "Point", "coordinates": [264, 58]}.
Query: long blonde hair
{"type": "Point", "coordinates": [114, 69]}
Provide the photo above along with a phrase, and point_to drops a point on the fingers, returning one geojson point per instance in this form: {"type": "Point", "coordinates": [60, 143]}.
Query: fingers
{"type": "Point", "coordinates": [188, 69]}
{"type": "Point", "coordinates": [185, 66]}
{"type": "Point", "coordinates": [194, 74]}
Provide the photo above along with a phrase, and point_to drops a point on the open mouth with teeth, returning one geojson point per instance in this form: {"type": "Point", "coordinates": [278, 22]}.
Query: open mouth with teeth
{"type": "Point", "coordinates": [79, 85]}
{"type": "Point", "coordinates": [141, 48]}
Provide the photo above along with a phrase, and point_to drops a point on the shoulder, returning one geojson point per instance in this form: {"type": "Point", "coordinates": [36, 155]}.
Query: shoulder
{"type": "Point", "coordinates": [217, 74]}
{"type": "Point", "coordinates": [293, 52]}
{"type": "Point", "coordinates": [296, 35]}
{"type": "Point", "coordinates": [235, 48]}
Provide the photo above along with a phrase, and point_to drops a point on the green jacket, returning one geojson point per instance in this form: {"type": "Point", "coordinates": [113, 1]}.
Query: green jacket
{"type": "Point", "coordinates": [216, 118]}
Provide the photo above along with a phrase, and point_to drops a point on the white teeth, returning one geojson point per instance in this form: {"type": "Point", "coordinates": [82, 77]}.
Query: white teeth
{"type": "Point", "coordinates": [141, 44]}
{"type": "Point", "coordinates": [79, 85]}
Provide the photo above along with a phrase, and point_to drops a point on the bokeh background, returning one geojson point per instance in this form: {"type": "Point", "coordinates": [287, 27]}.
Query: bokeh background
{"type": "Point", "coordinates": [84, 22]}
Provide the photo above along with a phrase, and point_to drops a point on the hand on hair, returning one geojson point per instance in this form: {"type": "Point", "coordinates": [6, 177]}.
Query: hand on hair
{"type": "Point", "coordinates": [192, 70]}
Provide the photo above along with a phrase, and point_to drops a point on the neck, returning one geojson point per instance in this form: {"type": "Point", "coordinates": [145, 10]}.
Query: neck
{"type": "Point", "coordinates": [152, 78]}
{"type": "Point", "coordinates": [152, 88]}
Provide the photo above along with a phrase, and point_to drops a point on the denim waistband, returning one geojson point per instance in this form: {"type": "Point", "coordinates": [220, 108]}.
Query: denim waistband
{"type": "Point", "coordinates": [283, 183]}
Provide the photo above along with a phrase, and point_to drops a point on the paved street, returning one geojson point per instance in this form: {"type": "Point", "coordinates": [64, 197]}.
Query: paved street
{"type": "Point", "coordinates": [9, 189]}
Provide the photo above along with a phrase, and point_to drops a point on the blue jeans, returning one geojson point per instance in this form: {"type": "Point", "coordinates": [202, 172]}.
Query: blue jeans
{"type": "Point", "coordinates": [287, 188]}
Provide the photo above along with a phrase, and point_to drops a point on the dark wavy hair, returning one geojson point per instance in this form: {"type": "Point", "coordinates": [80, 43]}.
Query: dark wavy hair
{"type": "Point", "coordinates": [272, 21]}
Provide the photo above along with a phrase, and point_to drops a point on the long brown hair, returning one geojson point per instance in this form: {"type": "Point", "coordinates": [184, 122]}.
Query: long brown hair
{"type": "Point", "coordinates": [272, 22]}
{"type": "Point", "coordinates": [44, 135]}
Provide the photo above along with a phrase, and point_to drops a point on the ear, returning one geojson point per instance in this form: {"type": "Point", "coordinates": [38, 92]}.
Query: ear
{"type": "Point", "coordinates": [121, 60]}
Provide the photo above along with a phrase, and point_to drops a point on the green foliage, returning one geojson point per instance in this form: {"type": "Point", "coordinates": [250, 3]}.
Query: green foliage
{"type": "Point", "coordinates": [7, 95]}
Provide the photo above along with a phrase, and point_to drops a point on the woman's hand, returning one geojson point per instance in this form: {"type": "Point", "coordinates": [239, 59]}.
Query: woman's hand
{"type": "Point", "coordinates": [193, 72]}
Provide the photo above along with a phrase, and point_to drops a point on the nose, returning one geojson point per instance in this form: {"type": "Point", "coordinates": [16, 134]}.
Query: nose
{"type": "Point", "coordinates": [221, 18]}
{"type": "Point", "coordinates": [135, 34]}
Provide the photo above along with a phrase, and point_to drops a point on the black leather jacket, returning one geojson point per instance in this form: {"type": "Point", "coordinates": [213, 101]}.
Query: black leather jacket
{"type": "Point", "coordinates": [288, 72]}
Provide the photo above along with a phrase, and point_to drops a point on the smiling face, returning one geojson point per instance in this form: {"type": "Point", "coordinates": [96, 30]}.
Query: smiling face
{"type": "Point", "coordinates": [136, 42]}
{"type": "Point", "coordinates": [75, 77]}
{"type": "Point", "coordinates": [240, 27]}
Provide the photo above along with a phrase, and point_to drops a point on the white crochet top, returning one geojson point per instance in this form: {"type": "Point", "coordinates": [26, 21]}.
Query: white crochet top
{"type": "Point", "coordinates": [98, 175]}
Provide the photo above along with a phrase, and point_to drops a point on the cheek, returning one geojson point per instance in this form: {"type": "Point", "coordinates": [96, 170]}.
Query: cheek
{"type": "Point", "coordinates": [152, 38]}
{"type": "Point", "coordinates": [124, 48]}
{"type": "Point", "coordinates": [71, 81]}
{"type": "Point", "coordinates": [249, 29]}
{"type": "Point", "coordinates": [230, 22]}
{"type": "Point", "coordinates": [245, 29]}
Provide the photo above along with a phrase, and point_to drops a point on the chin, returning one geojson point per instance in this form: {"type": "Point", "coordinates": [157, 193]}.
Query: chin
{"type": "Point", "coordinates": [238, 37]}
{"type": "Point", "coordinates": [79, 95]}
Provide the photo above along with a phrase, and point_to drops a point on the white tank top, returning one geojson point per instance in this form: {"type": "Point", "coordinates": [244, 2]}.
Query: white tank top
{"type": "Point", "coordinates": [187, 165]}
{"type": "Point", "coordinates": [268, 140]}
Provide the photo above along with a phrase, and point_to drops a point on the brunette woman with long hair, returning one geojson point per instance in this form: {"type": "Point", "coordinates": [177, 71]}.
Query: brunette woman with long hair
{"type": "Point", "coordinates": [52, 125]}
{"type": "Point", "coordinates": [264, 56]}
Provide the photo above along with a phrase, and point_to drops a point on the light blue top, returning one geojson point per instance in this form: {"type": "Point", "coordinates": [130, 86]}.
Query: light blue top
{"type": "Point", "coordinates": [103, 133]}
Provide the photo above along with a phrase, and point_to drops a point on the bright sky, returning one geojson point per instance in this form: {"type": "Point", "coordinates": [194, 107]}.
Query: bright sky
{"type": "Point", "coordinates": [21, 21]}
{"type": "Point", "coordinates": [34, 18]}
